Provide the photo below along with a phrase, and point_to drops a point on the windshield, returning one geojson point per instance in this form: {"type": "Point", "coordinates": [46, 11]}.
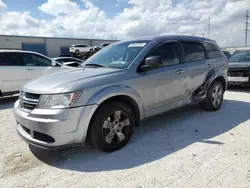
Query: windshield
{"type": "Point", "coordinates": [118, 55]}
{"type": "Point", "coordinates": [240, 57]}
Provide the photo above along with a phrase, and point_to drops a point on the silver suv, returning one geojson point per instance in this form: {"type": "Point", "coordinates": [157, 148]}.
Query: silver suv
{"type": "Point", "coordinates": [117, 88]}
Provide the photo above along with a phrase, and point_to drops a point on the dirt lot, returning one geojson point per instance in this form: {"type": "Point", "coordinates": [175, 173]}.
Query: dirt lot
{"type": "Point", "coordinates": [186, 148]}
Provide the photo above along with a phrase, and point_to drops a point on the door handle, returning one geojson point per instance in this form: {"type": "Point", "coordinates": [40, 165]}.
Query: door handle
{"type": "Point", "coordinates": [179, 72]}
{"type": "Point", "coordinates": [30, 69]}
{"type": "Point", "coordinates": [209, 66]}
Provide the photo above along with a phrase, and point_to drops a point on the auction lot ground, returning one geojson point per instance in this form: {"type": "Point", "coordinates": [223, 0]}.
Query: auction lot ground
{"type": "Point", "coordinates": [185, 148]}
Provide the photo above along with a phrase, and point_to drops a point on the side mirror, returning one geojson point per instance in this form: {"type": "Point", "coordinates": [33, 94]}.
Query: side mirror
{"type": "Point", "coordinates": [54, 63]}
{"type": "Point", "coordinates": [151, 62]}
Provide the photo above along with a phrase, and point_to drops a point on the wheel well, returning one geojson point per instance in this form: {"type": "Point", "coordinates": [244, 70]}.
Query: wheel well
{"type": "Point", "coordinates": [128, 100]}
{"type": "Point", "coordinates": [222, 80]}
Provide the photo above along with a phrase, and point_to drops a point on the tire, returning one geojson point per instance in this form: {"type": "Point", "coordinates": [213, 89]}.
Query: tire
{"type": "Point", "coordinates": [112, 126]}
{"type": "Point", "coordinates": [215, 96]}
{"type": "Point", "coordinates": [91, 51]}
{"type": "Point", "coordinates": [77, 52]}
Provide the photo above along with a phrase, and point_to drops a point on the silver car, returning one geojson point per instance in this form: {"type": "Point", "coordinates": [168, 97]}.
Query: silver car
{"type": "Point", "coordinates": [117, 88]}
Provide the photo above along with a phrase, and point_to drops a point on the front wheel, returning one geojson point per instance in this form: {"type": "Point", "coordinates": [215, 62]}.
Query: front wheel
{"type": "Point", "coordinates": [112, 126]}
{"type": "Point", "coordinates": [215, 96]}
{"type": "Point", "coordinates": [77, 52]}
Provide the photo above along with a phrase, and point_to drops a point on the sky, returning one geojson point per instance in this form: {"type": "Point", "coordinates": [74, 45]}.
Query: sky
{"type": "Point", "coordinates": [126, 19]}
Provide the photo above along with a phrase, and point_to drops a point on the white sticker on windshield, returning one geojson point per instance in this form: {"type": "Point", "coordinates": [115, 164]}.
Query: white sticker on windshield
{"type": "Point", "coordinates": [137, 45]}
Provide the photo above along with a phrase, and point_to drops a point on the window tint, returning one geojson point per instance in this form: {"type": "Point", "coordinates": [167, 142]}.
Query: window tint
{"type": "Point", "coordinates": [81, 46]}
{"type": "Point", "coordinates": [36, 60]}
{"type": "Point", "coordinates": [11, 59]}
{"type": "Point", "coordinates": [212, 50]}
{"type": "Point", "coordinates": [193, 52]}
{"type": "Point", "coordinates": [169, 54]}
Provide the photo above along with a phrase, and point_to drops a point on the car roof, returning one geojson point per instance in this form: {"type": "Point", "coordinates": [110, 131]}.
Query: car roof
{"type": "Point", "coordinates": [172, 37]}
{"type": "Point", "coordinates": [21, 51]}
{"type": "Point", "coordinates": [79, 44]}
{"type": "Point", "coordinates": [57, 58]}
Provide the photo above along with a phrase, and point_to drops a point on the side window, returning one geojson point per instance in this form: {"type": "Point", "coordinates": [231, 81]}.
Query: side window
{"type": "Point", "coordinates": [82, 46]}
{"type": "Point", "coordinates": [193, 52]}
{"type": "Point", "coordinates": [36, 60]}
{"type": "Point", "coordinates": [68, 60]}
{"type": "Point", "coordinates": [169, 53]}
{"type": "Point", "coordinates": [212, 50]}
{"type": "Point", "coordinates": [60, 60]}
{"type": "Point", "coordinates": [11, 59]}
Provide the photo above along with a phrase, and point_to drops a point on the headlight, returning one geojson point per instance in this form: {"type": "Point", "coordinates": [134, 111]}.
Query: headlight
{"type": "Point", "coordinates": [58, 101]}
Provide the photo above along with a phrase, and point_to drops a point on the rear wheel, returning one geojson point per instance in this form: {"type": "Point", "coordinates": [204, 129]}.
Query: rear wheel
{"type": "Point", "coordinates": [112, 126]}
{"type": "Point", "coordinates": [215, 96]}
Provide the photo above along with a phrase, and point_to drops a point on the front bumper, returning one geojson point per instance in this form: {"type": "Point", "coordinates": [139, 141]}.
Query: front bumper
{"type": "Point", "coordinates": [54, 128]}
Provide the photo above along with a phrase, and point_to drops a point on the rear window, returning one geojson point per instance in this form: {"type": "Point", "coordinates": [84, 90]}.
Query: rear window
{"type": "Point", "coordinates": [193, 52]}
{"type": "Point", "coordinates": [11, 59]}
{"type": "Point", "coordinates": [212, 50]}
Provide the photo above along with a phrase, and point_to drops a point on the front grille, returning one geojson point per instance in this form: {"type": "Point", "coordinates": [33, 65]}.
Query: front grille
{"type": "Point", "coordinates": [32, 96]}
{"type": "Point", "coordinates": [28, 101]}
{"type": "Point", "coordinates": [239, 73]}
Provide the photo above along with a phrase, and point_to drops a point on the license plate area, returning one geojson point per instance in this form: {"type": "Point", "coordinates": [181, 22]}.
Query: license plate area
{"type": "Point", "coordinates": [238, 79]}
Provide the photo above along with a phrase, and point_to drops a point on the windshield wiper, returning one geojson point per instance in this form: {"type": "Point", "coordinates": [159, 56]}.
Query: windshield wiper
{"type": "Point", "coordinates": [94, 64]}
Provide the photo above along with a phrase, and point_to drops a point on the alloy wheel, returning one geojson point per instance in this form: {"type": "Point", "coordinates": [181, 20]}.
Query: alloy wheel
{"type": "Point", "coordinates": [116, 127]}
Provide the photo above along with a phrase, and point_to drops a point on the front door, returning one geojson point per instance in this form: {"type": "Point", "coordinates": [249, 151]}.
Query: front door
{"type": "Point", "coordinates": [163, 86]}
{"type": "Point", "coordinates": [38, 66]}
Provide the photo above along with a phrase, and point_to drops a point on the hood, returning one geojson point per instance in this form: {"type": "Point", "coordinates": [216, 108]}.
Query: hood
{"type": "Point", "coordinates": [57, 82]}
{"type": "Point", "coordinates": [238, 65]}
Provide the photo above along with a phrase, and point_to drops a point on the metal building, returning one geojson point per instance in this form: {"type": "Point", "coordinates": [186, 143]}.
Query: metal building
{"type": "Point", "coordinates": [49, 46]}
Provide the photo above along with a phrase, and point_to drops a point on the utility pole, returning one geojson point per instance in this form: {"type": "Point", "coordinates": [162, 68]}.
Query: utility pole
{"type": "Point", "coordinates": [209, 27]}
{"type": "Point", "coordinates": [246, 30]}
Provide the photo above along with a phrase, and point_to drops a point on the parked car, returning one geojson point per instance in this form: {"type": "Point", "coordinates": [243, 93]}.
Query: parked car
{"type": "Point", "coordinates": [227, 54]}
{"type": "Point", "coordinates": [69, 61]}
{"type": "Point", "coordinates": [101, 46]}
{"type": "Point", "coordinates": [118, 87]}
{"type": "Point", "coordinates": [65, 55]}
{"type": "Point", "coordinates": [19, 67]}
{"type": "Point", "coordinates": [239, 69]}
{"type": "Point", "coordinates": [80, 48]}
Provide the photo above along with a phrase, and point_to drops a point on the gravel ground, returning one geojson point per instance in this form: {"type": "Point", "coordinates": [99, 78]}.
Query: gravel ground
{"type": "Point", "coordinates": [186, 148]}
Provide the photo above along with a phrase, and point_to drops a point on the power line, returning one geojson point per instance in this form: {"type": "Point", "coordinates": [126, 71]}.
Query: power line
{"type": "Point", "coordinates": [246, 30]}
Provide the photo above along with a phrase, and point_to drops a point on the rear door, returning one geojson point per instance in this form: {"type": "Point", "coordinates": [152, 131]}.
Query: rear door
{"type": "Point", "coordinates": [38, 66]}
{"type": "Point", "coordinates": [12, 72]}
{"type": "Point", "coordinates": [197, 65]}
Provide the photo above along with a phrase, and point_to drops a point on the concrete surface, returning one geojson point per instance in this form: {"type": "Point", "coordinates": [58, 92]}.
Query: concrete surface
{"type": "Point", "coordinates": [186, 148]}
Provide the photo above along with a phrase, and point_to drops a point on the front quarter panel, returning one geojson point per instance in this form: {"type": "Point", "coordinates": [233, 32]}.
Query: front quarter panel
{"type": "Point", "coordinates": [117, 90]}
